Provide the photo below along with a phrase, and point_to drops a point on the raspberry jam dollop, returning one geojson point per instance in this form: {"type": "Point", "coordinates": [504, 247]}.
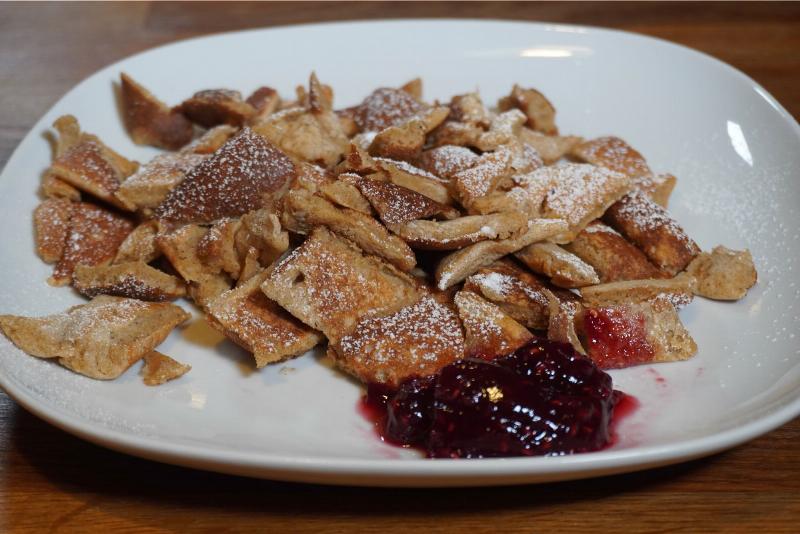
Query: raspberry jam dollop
{"type": "Point", "coordinates": [543, 399]}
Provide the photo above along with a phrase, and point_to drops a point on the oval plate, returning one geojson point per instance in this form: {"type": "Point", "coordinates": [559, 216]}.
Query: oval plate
{"type": "Point", "coordinates": [734, 149]}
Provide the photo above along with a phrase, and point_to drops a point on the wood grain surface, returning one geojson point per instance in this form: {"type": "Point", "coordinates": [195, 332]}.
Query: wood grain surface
{"type": "Point", "coordinates": [51, 481]}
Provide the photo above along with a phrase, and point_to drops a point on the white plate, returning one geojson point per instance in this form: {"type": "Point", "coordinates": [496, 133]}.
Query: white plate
{"type": "Point", "coordinates": [736, 153]}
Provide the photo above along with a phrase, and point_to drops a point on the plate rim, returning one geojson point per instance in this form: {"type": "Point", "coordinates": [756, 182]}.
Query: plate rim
{"type": "Point", "coordinates": [408, 471]}
{"type": "Point", "coordinates": [413, 472]}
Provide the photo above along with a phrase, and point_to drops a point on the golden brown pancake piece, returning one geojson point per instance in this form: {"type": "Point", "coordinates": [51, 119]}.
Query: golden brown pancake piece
{"type": "Point", "coordinates": [650, 228]}
{"type": "Point", "coordinates": [99, 339]}
{"type": "Point", "coordinates": [217, 106]}
{"type": "Point", "coordinates": [417, 340]}
{"type": "Point", "coordinates": [233, 181]}
{"type": "Point", "coordinates": [133, 280]}
{"type": "Point", "coordinates": [248, 318]}
{"type": "Point", "coordinates": [330, 284]}
{"type": "Point", "coordinates": [94, 236]}
{"type": "Point", "coordinates": [51, 226]}
{"type": "Point", "coordinates": [149, 121]}
{"type": "Point", "coordinates": [489, 332]}
{"type": "Point", "coordinates": [613, 257]}
{"type": "Point", "coordinates": [159, 368]}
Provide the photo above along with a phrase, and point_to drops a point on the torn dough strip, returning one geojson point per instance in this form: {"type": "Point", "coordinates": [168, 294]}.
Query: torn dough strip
{"type": "Point", "coordinates": [462, 263]}
{"type": "Point", "coordinates": [132, 279]}
{"type": "Point", "coordinates": [457, 233]}
{"type": "Point", "coordinates": [678, 290]}
{"type": "Point", "coordinates": [564, 268]}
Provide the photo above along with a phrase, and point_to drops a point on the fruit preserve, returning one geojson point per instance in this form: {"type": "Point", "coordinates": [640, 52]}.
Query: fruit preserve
{"type": "Point", "coordinates": [543, 399]}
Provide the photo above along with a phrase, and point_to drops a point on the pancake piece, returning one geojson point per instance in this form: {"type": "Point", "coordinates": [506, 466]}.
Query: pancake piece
{"type": "Point", "coordinates": [489, 332]}
{"type": "Point", "coordinates": [213, 107]}
{"type": "Point", "coordinates": [236, 179]}
{"type": "Point", "coordinates": [650, 228]}
{"type": "Point", "coordinates": [51, 226]}
{"type": "Point", "coordinates": [518, 293]}
{"type": "Point", "coordinates": [417, 340]}
{"type": "Point", "coordinates": [330, 284]}
{"type": "Point", "coordinates": [159, 368]}
{"type": "Point", "coordinates": [149, 121]}
{"type": "Point", "coordinates": [612, 256]}
{"type": "Point", "coordinates": [580, 194]}
{"type": "Point", "coordinates": [95, 234]}
{"type": "Point", "coordinates": [564, 268]}
{"type": "Point", "coordinates": [633, 334]}
{"type": "Point", "coordinates": [723, 274]}
{"type": "Point", "coordinates": [99, 339]}
{"type": "Point", "coordinates": [133, 280]}
{"type": "Point", "coordinates": [383, 108]}
{"type": "Point", "coordinates": [614, 154]}
{"type": "Point", "coordinates": [83, 161]}
{"type": "Point", "coordinates": [251, 320]}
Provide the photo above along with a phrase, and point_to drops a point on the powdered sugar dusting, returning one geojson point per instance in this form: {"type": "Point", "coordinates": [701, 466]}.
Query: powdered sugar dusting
{"type": "Point", "coordinates": [444, 280]}
{"type": "Point", "coordinates": [597, 227]}
{"type": "Point", "coordinates": [447, 160]}
{"type": "Point", "coordinates": [482, 178]}
{"type": "Point", "coordinates": [231, 182]}
{"type": "Point", "coordinates": [488, 231]}
{"type": "Point", "coordinates": [85, 161]}
{"type": "Point", "coordinates": [408, 168]}
{"type": "Point", "coordinates": [647, 216]}
{"type": "Point", "coordinates": [338, 285]}
{"type": "Point", "coordinates": [364, 139]}
{"type": "Point", "coordinates": [615, 154]}
{"type": "Point", "coordinates": [164, 170]}
{"type": "Point", "coordinates": [418, 339]}
{"type": "Point", "coordinates": [501, 286]}
{"type": "Point", "coordinates": [385, 107]}
{"type": "Point", "coordinates": [396, 204]}
{"type": "Point", "coordinates": [497, 283]}
{"type": "Point", "coordinates": [676, 298]}
{"type": "Point", "coordinates": [525, 158]}
{"type": "Point", "coordinates": [579, 190]}
{"type": "Point", "coordinates": [78, 322]}
{"type": "Point", "coordinates": [94, 236]}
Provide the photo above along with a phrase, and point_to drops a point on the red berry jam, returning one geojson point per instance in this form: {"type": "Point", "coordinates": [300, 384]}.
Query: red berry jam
{"type": "Point", "coordinates": [616, 337]}
{"type": "Point", "coordinates": [543, 399]}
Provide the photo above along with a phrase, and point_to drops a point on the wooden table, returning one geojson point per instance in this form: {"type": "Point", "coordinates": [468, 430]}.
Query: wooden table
{"type": "Point", "coordinates": [50, 480]}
